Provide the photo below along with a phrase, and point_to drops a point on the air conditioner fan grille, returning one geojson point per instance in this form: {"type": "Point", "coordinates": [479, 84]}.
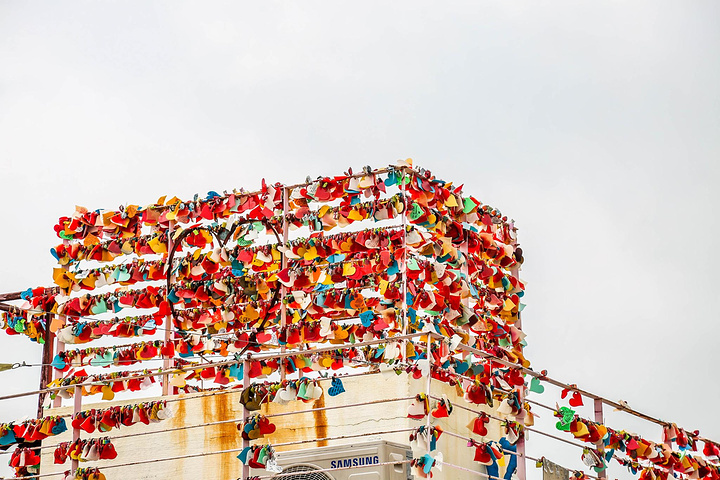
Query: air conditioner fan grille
{"type": "Point", "coordinates": [303, 472]}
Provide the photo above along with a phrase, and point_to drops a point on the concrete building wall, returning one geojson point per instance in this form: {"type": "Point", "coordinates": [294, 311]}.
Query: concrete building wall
{"type": "Point", "coordinates": [203, 408]}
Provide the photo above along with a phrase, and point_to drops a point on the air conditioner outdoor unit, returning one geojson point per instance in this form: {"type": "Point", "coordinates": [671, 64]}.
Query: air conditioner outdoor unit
{"type": "Point", "coordinates": [363, 457]}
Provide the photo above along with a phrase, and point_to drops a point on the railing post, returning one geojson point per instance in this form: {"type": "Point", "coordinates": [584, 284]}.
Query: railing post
{"type": "Point", "coordinates": [404, 267]}
{"type": "Point", "coordinates": [46, 369]}
{"type": "Point", "coordinates": [245, 411]}
{"type": "Point", "coordinates": [59, 348]}
{"type": "Point", "coordinates": [283, 288]}
{"type": "Point", "coordinates": [168, 319]}
{"type": "Point", "coordinates": [427, 391]}
{"type": "Point", "coordinates": [521, 464]}
{"type": "Point", "coordinates": [77, 407]}
{"type": "Point", "coordinates": [600, 418]}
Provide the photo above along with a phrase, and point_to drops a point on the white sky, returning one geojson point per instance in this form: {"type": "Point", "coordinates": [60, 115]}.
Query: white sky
{"type": "Point", "coordinates": [593, 124]}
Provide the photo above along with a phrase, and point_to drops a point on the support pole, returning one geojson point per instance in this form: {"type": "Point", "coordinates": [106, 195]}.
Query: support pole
{"type": "Point", "coordinates": [600, 418]}
{"type": "Point", "coordinates": [168, 318]}
{"type": "Point", "coordinates": [77, 407]}
{"type": "Point", "coordinates": [245, 411]}
{"type": "Point", "coordinates": [46, 369]}
{"type": "Point", "coordinates": [521, 464]}
{"type": "Point", "coordinates": [404, 268]}
{"type": "Point", "coordinates": [283, 288]}
{"type": "Point", "coordinates": [427, 391]}
{"type": "Point", "coordinates": [59, 348]}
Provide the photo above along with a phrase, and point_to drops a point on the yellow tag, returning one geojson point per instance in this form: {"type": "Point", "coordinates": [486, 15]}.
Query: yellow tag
{"type": "Point", "coordinates": [157, 246]}
{"type": "Point", "coordinates": [177, 381]}
{"type": "Point", "coordinates": [311, 254]}
{"type": "Point", "coordinates": [107, 392]}
{"type": "Point", "coordinates": [250, 312]}
{"type": "Point", "coordinates": [451, 201]}
{"type": "Point", "coordinates": [127, 248]}
{"type": "Point", "coordinates": [60, 278]}
{"type": "Point", "coordinates": [131, 210]}
{"type": "Point", "coordinates": [383, 286]}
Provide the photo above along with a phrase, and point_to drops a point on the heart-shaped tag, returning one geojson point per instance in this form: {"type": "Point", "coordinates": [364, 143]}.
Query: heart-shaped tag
{"type": "Point", "coordinates": [102, 360]}
{"type": "Point", "coordinates": [536, 386]}
{"type": "Point", "coordinates": [337, 387]}
{"type": "Point", "coordinates": [107, 392]}
{"type": "Point", "coordinates": [576, 400]}
{"type": "Point", "coordinates": [58, 363]}
{"type": "Point", "coordinates": [99, 307]}
{"type": "Point", "coordinates": [242, 456]}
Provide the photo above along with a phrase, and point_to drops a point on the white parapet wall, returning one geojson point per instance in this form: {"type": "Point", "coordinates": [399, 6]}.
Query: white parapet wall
{"type": "Point", "coordinates": [195, 409]}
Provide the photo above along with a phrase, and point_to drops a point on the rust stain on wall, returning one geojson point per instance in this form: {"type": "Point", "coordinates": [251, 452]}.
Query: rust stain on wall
{"type": "Point", "coordinates": [225, 436]}
{"type": "Point", "coordinates": [180, 437]}
{"type": "Point", "coordinates": [321, 422]}
{"type": "Point", "coordinates": [180, 420]}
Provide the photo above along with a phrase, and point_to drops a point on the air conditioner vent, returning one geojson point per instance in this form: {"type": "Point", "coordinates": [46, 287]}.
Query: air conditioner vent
{"type": "Point", "coordinates": [303, 472]}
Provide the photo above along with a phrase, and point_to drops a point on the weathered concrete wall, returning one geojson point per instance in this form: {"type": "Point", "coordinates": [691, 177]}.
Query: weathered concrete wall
{"type": "Point", "coordinates": [198, 409]}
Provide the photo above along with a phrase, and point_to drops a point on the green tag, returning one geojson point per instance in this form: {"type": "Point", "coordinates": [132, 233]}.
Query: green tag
{"type": "Point", "coordinates": [416, 211]}
{"type": "Point", "coordinates": [99, 307]}
{"type": "Point", "coordinates": [468, 205]}
{"type": "Point", "coordinates": [536, 386]}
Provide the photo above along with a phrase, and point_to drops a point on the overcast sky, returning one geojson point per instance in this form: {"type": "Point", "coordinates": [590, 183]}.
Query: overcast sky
{"type": "Point", "coordinates": [593, 124]}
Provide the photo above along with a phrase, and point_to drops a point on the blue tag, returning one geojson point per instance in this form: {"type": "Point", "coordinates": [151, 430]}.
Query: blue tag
{"type": "Point", "coordinates": [336, 257]}
{"type": "Point", "coordinates": [58, 363]}
{"type": "Point", "coordinates": [236, 371]}
{"type": "Point", "coordinates": [8, 438]}
{"type": "Point", "coordinates": [243, 455]}
{"type": "Point", "coordinates": [461, 367]}
{"type": "Point", "coordinates": [59, 427]}
{"type": "Point", "coordinates": [366, 318]}
{"type": "Point", "coordinates": [428, 463]}
{"type": "Point", "coordinates": [337, 387]}
{"type": "Point", "coordinates": [172, 296]}
{"type": "Point", "coordinates": [393, 269]}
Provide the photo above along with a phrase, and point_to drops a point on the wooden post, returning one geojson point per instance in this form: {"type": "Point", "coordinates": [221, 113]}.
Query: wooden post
{"type": "Point", "coordinates": [46, 369]}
